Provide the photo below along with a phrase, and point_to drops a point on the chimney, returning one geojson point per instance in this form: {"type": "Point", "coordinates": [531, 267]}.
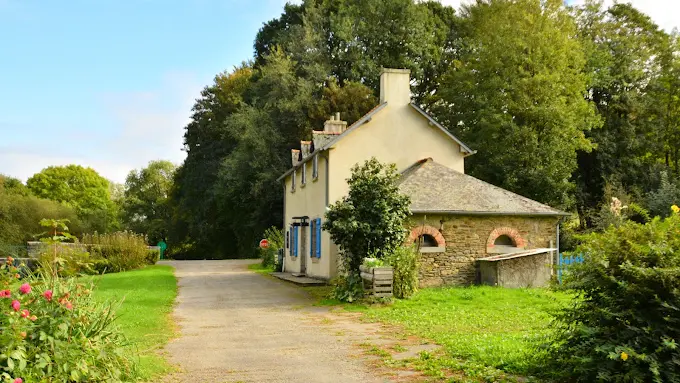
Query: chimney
{"type": "Point", "coordinates": [395, 86]}
{"type": "Point", "coordinates": [334, 125]}
{"type": "Point", "coordinates": [305, 147]}
{"type": "Point", "coordinates": [295, 156]}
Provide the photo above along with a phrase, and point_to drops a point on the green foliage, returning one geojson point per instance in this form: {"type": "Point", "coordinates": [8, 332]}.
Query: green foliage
{"type": "Point", "coordinates": [81, 188]}
{"type": "Point", "coordinates": [518, 87]}
{"type": "Point", "coordinates": [145, 205]}
{"type": "Point", "coordinates": [276, 240]}
{"type": "Point", "coordinates": [667, 194]}
{"type": "Point", "coordinates": [59, 257]}
{"type": "Point", "coordinates": [373, 262]}
{"type": "Point", "coordinates": [121, 250]}
{"type": "Point", "coordinates": [624, 327]}
{"type": "Point", "coordinates": [348, 287]}
{"type": "Point", "coordinates": [404, 262]}
{"type": "Point", "coordinates": [54, 331]}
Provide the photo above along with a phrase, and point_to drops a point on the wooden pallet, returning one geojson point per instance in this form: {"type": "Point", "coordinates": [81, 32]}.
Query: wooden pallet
{"type": "Point", "coordinates": [377, 281]}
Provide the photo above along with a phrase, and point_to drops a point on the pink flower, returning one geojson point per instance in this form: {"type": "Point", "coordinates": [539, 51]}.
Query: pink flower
{"type": "Point", "coordinates": [16, 305]}
{"type": "Point", "coordinates": [25, 288]}
{"type": "Point", "coordinates": [48, 295]}
{"type": "Point", "coordinates": [5, 293]}
{"type": "Point", "coordinates": [18, 380]}
{"type": "Point", "coordinates": [25, 313]}
{"type": "Point", "coordinates": [68, 305]}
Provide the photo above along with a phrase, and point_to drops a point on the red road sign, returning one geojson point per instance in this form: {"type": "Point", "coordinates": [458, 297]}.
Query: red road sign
{"type": "Point", "coordinates": [264, 244]}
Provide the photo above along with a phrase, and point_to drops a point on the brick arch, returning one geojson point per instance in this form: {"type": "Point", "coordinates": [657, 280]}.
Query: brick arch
{"type": "Point", "coordinates": [429, 230]}
{"type": "Point", "coordinates": [510, 232]}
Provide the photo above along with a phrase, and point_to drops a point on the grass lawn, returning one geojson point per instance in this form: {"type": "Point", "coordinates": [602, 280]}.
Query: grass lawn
{"type": "Point", "coordinates": [148, 296]}
{"type": "Point", "coordinates": [483, 330]}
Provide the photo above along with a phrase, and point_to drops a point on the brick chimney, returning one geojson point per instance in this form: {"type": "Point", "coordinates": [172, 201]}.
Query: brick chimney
{"type": "Point", "coordinates": [395, 86]}
{"type": "Point", "coordinates": [334, 125]}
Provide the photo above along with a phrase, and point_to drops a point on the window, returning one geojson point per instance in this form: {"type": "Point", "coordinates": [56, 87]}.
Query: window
{"type": "Point", "coordinates": [292, 187]}
{"type": "Point", "coordinates": [304, 174]}
{"type": "Point", "coordinates": [315, 167]}
{"type": "Point", "coordinates": [427, 240]}
{"type": "Point", "coordinates": [503, 240]}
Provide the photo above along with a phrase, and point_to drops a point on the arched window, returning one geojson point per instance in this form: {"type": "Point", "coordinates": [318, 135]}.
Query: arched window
{"type": "Point", "coordinates": [504, 240]}
{"type": "Point", "coordinates": [426, 240]}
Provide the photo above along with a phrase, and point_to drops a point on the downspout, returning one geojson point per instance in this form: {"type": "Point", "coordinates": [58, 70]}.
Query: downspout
{"type": "Point", "coordinates": [283, 262]}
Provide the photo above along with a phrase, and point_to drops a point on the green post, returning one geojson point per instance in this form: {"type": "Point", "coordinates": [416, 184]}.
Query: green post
{"type": "Point", "coordinates": [163, 246]}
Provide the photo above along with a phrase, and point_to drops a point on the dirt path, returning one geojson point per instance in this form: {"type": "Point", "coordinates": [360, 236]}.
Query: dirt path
{"type": "Point", "coordinates": [238, 326]}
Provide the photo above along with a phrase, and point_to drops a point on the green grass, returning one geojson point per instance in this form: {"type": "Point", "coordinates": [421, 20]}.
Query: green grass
{"type": "Point", "coordinates": [483, 330]}
{"type": "Point", "coordinates": [258, 268]}
{"type": "Point", "coordinates": [148, 295]}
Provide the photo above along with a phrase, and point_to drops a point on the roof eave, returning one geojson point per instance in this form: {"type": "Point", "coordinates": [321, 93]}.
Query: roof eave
{"type": "Point", "coordinates": [493, 213]}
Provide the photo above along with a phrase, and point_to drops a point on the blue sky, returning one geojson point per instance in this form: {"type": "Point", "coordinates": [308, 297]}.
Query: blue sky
{"type": "Point", "coordinates": [110, 83]}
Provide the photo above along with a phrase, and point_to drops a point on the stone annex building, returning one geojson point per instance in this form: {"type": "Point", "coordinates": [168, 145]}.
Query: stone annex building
{"type": "Point", "coordinates": [470, 231]}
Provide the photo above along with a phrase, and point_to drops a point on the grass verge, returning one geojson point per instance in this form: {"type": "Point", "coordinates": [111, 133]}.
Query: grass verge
{"type": "Point", "coordinates": [486, 333]}
{"type": "Point", "coordinates": [144, 316]}
{"type": "Point", "coordinates": [258, 268]}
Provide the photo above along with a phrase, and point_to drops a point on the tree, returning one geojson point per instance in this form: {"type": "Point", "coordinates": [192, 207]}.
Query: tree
{"type": "Point", "coordinates": [145, 204]}
{"type": "Point", "coordinates": [13, 185]}
{"type": "Point", "coordinates": [516, 95]}
{"type": "Point", "coordinates": [369, 221]}
{"type": "Point", "coordinates": [81, 188]}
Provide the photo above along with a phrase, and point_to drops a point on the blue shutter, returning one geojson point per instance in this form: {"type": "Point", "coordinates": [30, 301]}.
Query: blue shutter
{"type": "Point", "coordinates": [295, 241]}
{"type": "Point", "coordinates": [318, 237]}
{"type": "Point", "coordinates": [311, 238]}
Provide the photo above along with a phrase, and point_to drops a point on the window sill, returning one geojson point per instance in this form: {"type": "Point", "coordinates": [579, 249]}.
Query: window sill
{"type": "Point", "coordinates": [439, 249]}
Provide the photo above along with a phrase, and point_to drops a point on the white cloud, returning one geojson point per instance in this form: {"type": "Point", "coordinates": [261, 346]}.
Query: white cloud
{"type": "Point", "coordinates": [142, 126]}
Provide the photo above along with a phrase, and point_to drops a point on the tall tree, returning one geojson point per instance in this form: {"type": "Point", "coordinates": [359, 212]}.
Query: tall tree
{"type": "Point", "coordinates": [516, 94]}
{"type": "Point", "coordinates": [81, 188]}
{"type": "Point", "coordinates": [145, 204]}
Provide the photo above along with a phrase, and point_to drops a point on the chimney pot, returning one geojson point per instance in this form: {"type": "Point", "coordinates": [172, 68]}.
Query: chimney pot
{"type": "Point", "coordinates": [337, 116]}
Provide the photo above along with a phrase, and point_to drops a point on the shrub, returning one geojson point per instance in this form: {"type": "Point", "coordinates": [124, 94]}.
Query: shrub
{"type": "Point", "coordinates": [626, 324]}
{"type": "Point", "coordinates": [404, 262]}
{"type": "Point", "coordinates": [152, 257]}
{"type": "Point", "coordinates": [52, 330]}
{"type": "Point", "coordinates": [276, 241]}
{"type": "Point", "coordinates": [123, 250]}
{"type": "Point", "coordinates": [369, 221]}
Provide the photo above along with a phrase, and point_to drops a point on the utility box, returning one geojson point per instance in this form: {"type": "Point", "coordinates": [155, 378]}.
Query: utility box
{"type": "Point", "coordinates": [531, 268]}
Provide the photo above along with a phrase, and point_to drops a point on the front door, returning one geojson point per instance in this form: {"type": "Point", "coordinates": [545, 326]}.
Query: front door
{"type": "Point", "coordinates": [302, 250]}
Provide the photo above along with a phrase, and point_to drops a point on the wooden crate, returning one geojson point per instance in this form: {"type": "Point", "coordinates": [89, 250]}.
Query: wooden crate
{"type": "Point", "coordinates": [377, 280]}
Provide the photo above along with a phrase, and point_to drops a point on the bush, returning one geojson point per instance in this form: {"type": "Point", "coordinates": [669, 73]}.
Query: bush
{"type": "Point", "coordinates": [66, 259]}
{"type": "Point", "coordinates": [52, 330]}
{"type": "Point", "coordinates": [626, 324]}
{"type": "Point", "coordinates": [122, 250]}
{"type": "Point", "coordinates": [152, 257]}
{"type": "Point", "coordinates": [404, 262]}
{"type": "Point", "coordinates": [269, 255]}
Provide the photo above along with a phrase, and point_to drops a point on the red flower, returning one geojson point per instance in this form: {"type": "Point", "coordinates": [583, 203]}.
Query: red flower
{"type": "Point", "coordinates": [48, 295]}
{"type": "Point", "coordinates": [68, 305]}
{"type": "Point", "coordinates": [5, 293]}
{"type": "Point", "coordinates": [25, 288]}
{"type": "Point", "coordinates": [16, 305]}
{"type": "Point", "coordinates": [25, 313]}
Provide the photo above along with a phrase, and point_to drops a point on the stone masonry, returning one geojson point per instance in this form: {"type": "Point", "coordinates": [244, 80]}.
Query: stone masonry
{"type": "Point", "coordinates": [466, 239]}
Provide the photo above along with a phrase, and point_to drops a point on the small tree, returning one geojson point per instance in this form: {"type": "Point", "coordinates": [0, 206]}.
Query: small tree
{"type": "Point", "coordinates": [370, 219]}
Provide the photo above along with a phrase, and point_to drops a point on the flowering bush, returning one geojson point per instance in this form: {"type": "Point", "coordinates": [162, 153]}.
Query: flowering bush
{"type": "Point", "coordinates": [51, 330]}
{"type": "Point", "coordinates": [120, 251]}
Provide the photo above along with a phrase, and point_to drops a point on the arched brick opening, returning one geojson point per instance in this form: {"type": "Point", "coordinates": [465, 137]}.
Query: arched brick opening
{"type": "Point", "coordinates": [429, 230]}
{"type": "Point", "coordinates": [510, 232]}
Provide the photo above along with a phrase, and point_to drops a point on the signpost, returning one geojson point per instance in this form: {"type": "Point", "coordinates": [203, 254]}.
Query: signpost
{"type": "Point", "coordinates": [264, 244]}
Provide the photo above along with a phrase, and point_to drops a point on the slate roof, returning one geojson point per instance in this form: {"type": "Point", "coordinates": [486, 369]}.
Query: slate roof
{"type": "Point", "coordinates": [435, 188]}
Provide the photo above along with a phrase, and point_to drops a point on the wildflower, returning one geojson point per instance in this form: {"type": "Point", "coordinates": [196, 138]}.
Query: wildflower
{"type": "Point", "coordinates": [675, 209]}
{"type": "Point", "coordinates": [18, 380]}
{"type": "Point", "coordinates": [5, 293]}
{"type": "Point", "coordinates": [10, 260]}
{"type": "Point", "coordinates": [25, 288]}
{"type": "Point", "coordinates": [33, 318]}
{"type": "Point", "coordinates": [23, 334]}
{"type": "Point", "coordinates": [17, 276]}
{"type": "Point", "coordinates": [25, 313]}
{"type": "Point", "coordinates": [16, 305]}
{"type": "Point", "coordinates": [624, 356]}
{"type": "Point", "coordinates": [48, 295]}
{"type": "Point", "coordinates": [68, 305]}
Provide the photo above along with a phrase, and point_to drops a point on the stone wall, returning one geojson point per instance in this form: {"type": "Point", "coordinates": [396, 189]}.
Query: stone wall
{"type": "Point", "coordinates": [466, 240]}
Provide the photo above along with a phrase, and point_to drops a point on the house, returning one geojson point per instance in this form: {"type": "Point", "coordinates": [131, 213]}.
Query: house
{"type": "Point", "coordinates": [457, 218]}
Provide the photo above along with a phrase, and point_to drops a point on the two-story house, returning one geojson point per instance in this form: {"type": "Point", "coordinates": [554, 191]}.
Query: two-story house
{"type": "Point", "coordinates": [457, 218]}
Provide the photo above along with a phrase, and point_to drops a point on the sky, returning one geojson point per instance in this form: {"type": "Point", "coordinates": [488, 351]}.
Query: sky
{"type": "Point", "coordinates": [109, 84]}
